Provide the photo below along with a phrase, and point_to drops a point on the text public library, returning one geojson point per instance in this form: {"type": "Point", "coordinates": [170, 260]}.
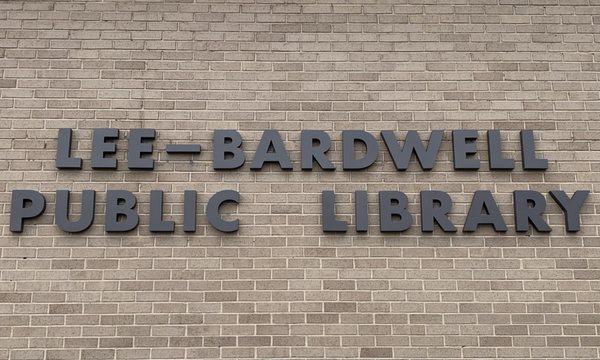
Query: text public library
{"type": "Point", "coordinates": [228, 154]}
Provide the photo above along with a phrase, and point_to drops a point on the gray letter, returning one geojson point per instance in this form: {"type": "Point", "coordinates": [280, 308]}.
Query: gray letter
{"type": "Point", "coordinates": [227, 151]}
{"type": "Point", "coordinates": [61, 217]}
{"type": "Point", "coordinates": [571, 207]}
{"type": "Point", "coordinates": [157, 224]}
{"type": "Point", "coordinates": [136, 148]}
{"type": "Point", "coordinates": [120, 204]}
{"type": "Point", "coordinates": [361, 211]}
{"type": "Point", "coordinates": [212, 210]}
{"type": "Point", "coordinates": [308, 150]}
{"type": "Point", "coordinates": [271, 139]}
{"type": "Point", "coordinates": [63, 151]}
{"type": "Point", "coordinates": [462, 146]}
{"type": "Point", "coordinates": [330, 223]}
{"type": "Point", "coordinates": [189, 210]}
{"type": "Point", "coordinates": [483, 201]}
{"type": "Point", "coordinates": [349, 139]}
{"type": "Point", "coordinates": [525, 213]}
{"type": "Point", "coordinates": [497, 162]}
{"type": "Point", "coordinates": [393, 203]}
{"type": "Point", "coordinates": [413, 144]}
{"type": "Point", "coordinates": [19, 209]}
{"type": "Point", "coordinates": [100, 147]}
{"type": "Point", "coordinates": [530, 161]}
{"type": "Point", "coordinates": [430, 213]}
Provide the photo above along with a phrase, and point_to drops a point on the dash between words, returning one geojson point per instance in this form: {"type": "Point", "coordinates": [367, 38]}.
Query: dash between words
{"type": "Point", "coordinates": [228, 154]}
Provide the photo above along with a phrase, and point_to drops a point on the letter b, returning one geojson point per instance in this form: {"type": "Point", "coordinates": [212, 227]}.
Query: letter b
{"type": "Point", "coordinates": [120, 204]}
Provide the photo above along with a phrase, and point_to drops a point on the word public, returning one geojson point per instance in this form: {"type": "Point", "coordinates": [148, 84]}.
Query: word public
{"type": "Point", "coordinates": [360, 150]}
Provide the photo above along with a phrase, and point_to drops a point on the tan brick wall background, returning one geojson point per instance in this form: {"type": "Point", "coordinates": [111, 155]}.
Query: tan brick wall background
{"type": "Point", "coordinates": [280, 287]}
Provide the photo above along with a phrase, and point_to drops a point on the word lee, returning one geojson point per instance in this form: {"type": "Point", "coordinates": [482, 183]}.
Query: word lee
{"type": "Point", "coordinates": [120, 214]}
{"type": "Point", "coordinates": [314, 145]}
{"type": "Point", "coordinates": [435, 205]}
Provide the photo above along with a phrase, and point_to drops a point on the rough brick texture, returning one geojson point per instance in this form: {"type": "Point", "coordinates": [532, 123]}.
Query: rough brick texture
{"type": "Point", "coordinates": [280, 288]}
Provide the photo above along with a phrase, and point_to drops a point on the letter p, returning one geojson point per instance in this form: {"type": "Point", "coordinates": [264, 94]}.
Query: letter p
{"type": "Point", "coordinates": [25, 204]}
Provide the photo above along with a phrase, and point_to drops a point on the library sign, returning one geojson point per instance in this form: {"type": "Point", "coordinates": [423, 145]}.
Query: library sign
{"type": "Point", "coordinates": [359, 151]}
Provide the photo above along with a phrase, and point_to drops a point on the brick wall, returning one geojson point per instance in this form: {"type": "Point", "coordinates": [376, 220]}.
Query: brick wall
{"type": "Point", "coordinates": [280, 287]}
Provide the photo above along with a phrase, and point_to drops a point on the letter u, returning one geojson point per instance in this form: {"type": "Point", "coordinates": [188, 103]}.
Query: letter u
{"type": "Point", "coordinates": [61, 217]}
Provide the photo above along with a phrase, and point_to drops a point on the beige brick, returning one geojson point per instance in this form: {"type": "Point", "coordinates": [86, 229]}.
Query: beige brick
{"type": "Point", "coordinates": [280, 288]}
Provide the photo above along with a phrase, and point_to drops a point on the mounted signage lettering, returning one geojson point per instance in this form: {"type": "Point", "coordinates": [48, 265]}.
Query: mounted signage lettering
{"type": "Point", "coordinates": [360, 150]}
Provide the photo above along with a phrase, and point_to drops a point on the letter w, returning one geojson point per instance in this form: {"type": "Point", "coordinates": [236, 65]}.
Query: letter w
{"type": "Point", "coordinates": [413, 144]}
